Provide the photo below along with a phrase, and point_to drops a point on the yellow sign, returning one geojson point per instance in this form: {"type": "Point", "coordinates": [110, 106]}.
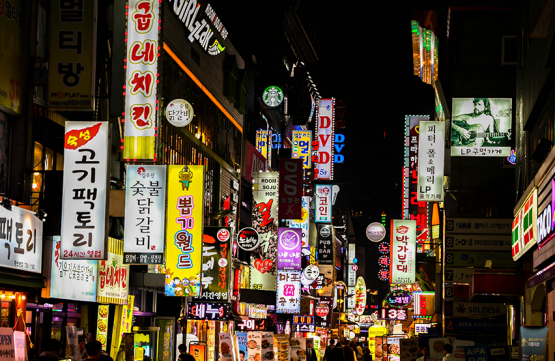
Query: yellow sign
{"type": "Point", "coordinates": [72, 74]}
{"type": "Point", "coordinates": [302, 147]}
{"type": "Point", "coordinates": [184, 230]}
{"type": "Point", "coordinates": [11, 54]}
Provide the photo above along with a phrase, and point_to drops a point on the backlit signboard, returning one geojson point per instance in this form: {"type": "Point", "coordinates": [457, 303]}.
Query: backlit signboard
{"type": "Point", "coordinates": [524, 227]}
{"type": "Point", "coordinates": [303, 222]}
{"type": "Point", "coordinates": [216, 263]}
{"type": "Point", "coordinates": [323, 203]}
{"type": "Point", "coordinates": [290, 188]}
{"type": "Point", "coordinates": [403, 252]}
{"type": "Point", "coordinates": [113, 276]}
{"type": "Point", "coordinates": [431, 148]}
{"type": "Point", "coordinates": [288, 292]}
{"type": "Point", "coordinates": [546, 221]}
{"type": "Point", "coordinates": [481, 127]}
{"type": "Point", "coordinates": [263, 145]}
{"type": "Point", "coordinates": [302, 147]}
{"type": "Point", "coordinates": [325, 137]}
{"type": "Point", "coordinates": [289, 249]}
{"type": "Point", "coordinates": [208, 311]}
{"type": "Point", "coordinates": [393, 314]}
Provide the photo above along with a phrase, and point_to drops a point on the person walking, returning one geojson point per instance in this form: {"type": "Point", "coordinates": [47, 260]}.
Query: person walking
{"type": "Point", "coordinates": [330, 347]}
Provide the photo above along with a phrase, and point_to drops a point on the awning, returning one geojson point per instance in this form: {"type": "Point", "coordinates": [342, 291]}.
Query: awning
{"type": "Point", "coordinates": [22, 280]}
{"type": "Point", "coordinates": [496, 287]}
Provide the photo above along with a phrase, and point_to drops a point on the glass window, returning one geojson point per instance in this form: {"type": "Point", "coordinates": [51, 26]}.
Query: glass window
{"type": "Point", "coordinates": [49, 159]}
{"type": "Point", "coordinates": [38, 157]}
{"type": "Point", "coordinates": [59, 161]}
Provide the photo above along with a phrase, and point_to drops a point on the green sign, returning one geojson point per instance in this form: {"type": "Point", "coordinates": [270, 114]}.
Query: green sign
{"type": "Point", "coordinates": [478, 259]}
{"type": "Point", "coordinates": [272, 96]}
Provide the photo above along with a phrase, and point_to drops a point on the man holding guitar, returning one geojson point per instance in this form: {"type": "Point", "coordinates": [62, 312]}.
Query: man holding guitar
{"type": "Point", "coordinates": [477, 128]}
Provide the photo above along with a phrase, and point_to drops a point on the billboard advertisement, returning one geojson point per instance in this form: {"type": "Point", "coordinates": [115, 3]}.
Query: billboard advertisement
{"type": "Point", "coordinates": [524, 227]}
{"type": "Point", "coordinates": [216, 263]}
{"type": "Point", "coordinates": [430, 168]}
{"type": "Point", "coordinates": [481, 127]}
{"type": "Point", "coordinates": [403, 252]}
{"type": "Point", "coordinates": [302, 147]}
{"type": "Point", "coordinates": [288, 292]}
{"type": "Point", "coordinates": [289, 249]}
{"type": "Point", "coordinates": [325, 137]}
{"type": "Point", "coordinates": [290, 188]}
{"type": "Point", "coordinates": [323, 203]}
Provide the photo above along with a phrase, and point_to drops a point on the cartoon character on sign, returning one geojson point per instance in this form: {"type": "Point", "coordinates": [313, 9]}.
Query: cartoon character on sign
{"type": "Point", "coordinates": [185, 177]}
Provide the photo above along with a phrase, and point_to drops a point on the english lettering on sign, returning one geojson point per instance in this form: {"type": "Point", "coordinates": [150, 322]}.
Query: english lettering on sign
{"type": "Point", "coordinates": [545, 225]}
{"type": "Point", "coordinates": [339, 144]}
{"type": "Point", "coordinates": [325, 136]}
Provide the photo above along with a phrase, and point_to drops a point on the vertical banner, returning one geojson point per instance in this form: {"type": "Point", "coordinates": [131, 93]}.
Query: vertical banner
{"type": "Point", "coordinates": [141, 79]}
{"type": "Point", "coordinates": [323, 203]}
{"type": "Point", "coordinates": [288, 292]}
{"type": "Point", "coordinates": [360, 296]}
{"type": "Point", "coordinates": [534, 343]}
{"type": "Point", "coordinates": [265, 222]}
{"type": "Point", "coordinates": [325, 137]}
{"type": "Point", "coordinates": [289, 249]}
{"type": "Point", "coordinates": [412, 208]}
{"type": "Point", "coordinates": [264, 146]}
{"type": "Point", "coordinates": [113, 276]}
{"type": "Point", "coordinates": [86, 193]}
{"type": "Point", "coordinates": [226, 347]}
{"type": "Point", "coordinates": [20, 347]}
{"type": "Point", "coordinates": [326, 281]}
{"type": "Point", "coordinates": [431, 147]}
{"type": "Point", "coordinates": [325, 244]}
{"type": "Point", "coordinates": [302, 147]}
{"type": "Point", "coordinates": [290, 188]}
{"type": "Point", "coordinates": [13, 56]}
{"type": "Point", "coordinates": [216, 263]}
{"type": "Point", "coordinates": [253, 346]}
{"type": "Point", "coordinates": [324, 312]}
{"type": "Point", "coordinates": [267, 346]}
{"type": "Point", "coordinates": [71, 79]}
{"type": "Point", "coordinates": [303, 222]}
{"type": "Point", "coordinates": [184, 230]}
{"type": "Point", "coordinates": [403, 252]}
{"type": "Point", "coordinates": [254, 162]}
{"type": "Point", "coordinates": [102, 325]}
{"type": "Point", "coordinates": [145, 205]}
{"type": "Point", "coordinates": [242, 345]}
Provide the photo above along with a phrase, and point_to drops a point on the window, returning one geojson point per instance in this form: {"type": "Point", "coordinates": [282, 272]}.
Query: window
{"type": "Point", "coordinates": [45, 159]}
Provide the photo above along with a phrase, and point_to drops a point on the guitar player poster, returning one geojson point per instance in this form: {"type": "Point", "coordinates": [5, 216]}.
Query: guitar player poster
{"type": "Point", "coordinates": [481, 127]}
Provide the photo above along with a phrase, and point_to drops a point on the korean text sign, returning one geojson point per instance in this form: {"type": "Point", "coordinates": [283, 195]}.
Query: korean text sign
{"type": "Point", "coordinates": [325, 138]}
{"type": "Point", "coordinates": [72, 58]}
{"type": "Point", "coordinates": [323, 203]}
{"type": "Point", "coordinates": [86, 193]}
{"type": "Point", "coordinates": [430, 167]}
{"type": "Point", "coordinates": [264, 221]}
{"type": "Point", "coordinates": [288, 292]}
{"type": "Point", "coordinates": [141, 81]}
{"type": "Point", "coordinates": [20, 240]}
{"type": "Point", "coordinates": [145, 205]}
{"type": "Point", "coordinates": [290, 188]}
{"type": "Point", "coordinates": [216, 263]}
{"type": "Point", "coordinates": [289, 249]}
{"type": "Point", "coordinates": [72, 279]}
{"type": "Point", "coordinates": [113, 276]}
{"type": "Point", "coordinates": [534, 343]}
{"type": "Point", "coordinates": [403, 252]}
{"type": "Point", "coordinates": [302, 147]}
{"type": "Point", "coordinates": [184, 230]}
{"type": "Point", "coordinates": [325, 244]}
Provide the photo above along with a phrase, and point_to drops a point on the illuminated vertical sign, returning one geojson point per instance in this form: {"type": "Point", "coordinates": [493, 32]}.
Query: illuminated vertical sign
{"type": "Point", "coordinates": [323, 213]}
{"type": "Point", "coordinates": [403, 252]}
{"type": "Point", "coordinates": [425, 53]}
{"type": "Point", "coordinates": [184, 230]}
{"type": "Point", "coordinates": [303, 222]}
{"type": "Point", "coordinates": [302, 147]}
{"type": "Point", "coordinates": [113, 276]}
{"type": "Point", "coordinates": [145, 205]}
{"type": "Point", "coordinates": [216, 263]}
{"type": "Point", "coordinates": [524, 229]}
{"type": "Point", "coordinates": [265, 222]}
{"type": "Point", "coordinates": [325, 137]}
{"type": "Point", "coordinates": [263, 145]}
{"type": "Point", "coordinates": [412, 208]}
{"type": "Point", "coordinates": [290, 188]}
{"type": "Point", "coordinates": [85, 194]}
{"type": "Point", "coordinates": [288, 292]}
{"type": "Point", "coordinates": [141, 80]}
{"type": "Point", "coordinates": [430, 167]}
{"type": "Point", "coordinates": [325, 244]}
{"type": "Point", "coordinates": [338, 145]}
{"type": "Point", "coordinates": [289, 249]}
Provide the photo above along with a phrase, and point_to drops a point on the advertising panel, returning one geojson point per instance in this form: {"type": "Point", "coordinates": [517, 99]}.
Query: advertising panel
{"type": "Point", "coordinates": [323, 203]}
{"type": "Point", "coordinates": [478, 259]}
{"type": "Point", "coordinates": [414, 209]}
{"type": "Point", "coordinates": [481, 127]}
{"type": "Point", "coordinates": [524, 227]}
{"type": "Point", "coordinates": [226, 347]}
{"type": "Point", "coordinates": [431, 147]}
{"type": "Point", "coordinates": [216, 263]}
{"type": "Point", "coordinates": [325, 244]}
{"type": "Point", "coordinates": [303, 222]}
{"type": "Point", "coordinates": [475, 242]}
{"type": "Point", "coordinates": [324, 134]}
{"type": "Point", "coordinates": [290, 188]}
{"type": "Point", "coordinates": [546, 221]}
{"type": "Point", "coordinates": [184, 230]}
{"type": "Point", "coordinates": [324, 312]}
{"type": "Point", "coordinates": [71, 77]}
{"type": "Point", "coordinates": [477, 310]}
{"type": "Point", "coordinates": [72, 279]}
{"type": "Point", "coordinates": [326, 285]}
{"type": "Point", "coordinates": [253, 346]}
{"type": "Point", "coordinates": [20, 239]}
{"type": "Point", "coordinates": [403, 251]}
{"type": "Point", "coordinates": [289, 249]}
{"type": "Point", "coordinates": [423, 303]}
{"type": "Point", "coordinates": [208, 311]}
{"type": "Point", "coordinates": [534, 343]}
{"type": "Point", "coordinates": [360, 296]}
{"type": "Point", "coordinates": [86, 193]}
{"type": "Point", "coordinates": [288, 292]}
{"type": "Point", "coordinates": [13, 64]}
{"type": "Point", "coordinates": [264, 145]}
{"type": "Point", "coordinates": [102, 324]}
{"type": "Point", "coordinates": [113, 276]}
{"type": "Point", "coordinates": [254, 162]}
{"type": "Point", "coordinates": [145, 206]}
{"type": "Point", "coordinates": [478, 225]}
{"type": "Point", "coordinates": [302, 147]}
{"type": "Point", "coordinates": [265, 222]}
{"type": "Point", "coordinates": [141, 80]}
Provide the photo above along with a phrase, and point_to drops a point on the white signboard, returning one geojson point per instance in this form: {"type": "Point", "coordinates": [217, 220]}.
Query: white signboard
{"type": "Point", "coordinates": [20, 346]}
{"type": "Point", "coordinates": [288, 292]}
{"type": "Point", "coordinates": [141, 81]}
{"type": "Point", "coordinates": [351, 300]}
{"type": "Point", "coordinates": [325, 138]}
{"type": "Point", "coordinates": [421, 327]}
{"type": "Point", "coordinates": [322, 199]}
{"type": "Point", "coordinates": [352, 251]}
{"type": "Point", "coordinates": [145, 208]}
{"type": "Point", "coordinates": [20, 240]}
{"type": "Point", "coordinates": [467, 309]}
{"type": "Point", "coordinates": [72, 279]}
{"type": "Point", "coordinates": [403, 252]}
{"type": "Point", "coordinates": [179, 113]}
{"type": "Point", "coordinates": [303, 223]}
{"type": "Point", "coordinates": [479, 242]}
{"type": "Point", "coordinates": [478, 225]}
{"type": "Point", "coordinates": [86, 192]}
{"type": "Point", "coordinates": [431, 148]}
{"type": "Point", "coordinates": [352, 277]}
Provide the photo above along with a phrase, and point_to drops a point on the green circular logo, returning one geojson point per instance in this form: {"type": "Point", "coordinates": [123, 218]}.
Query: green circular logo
{"type": "Point", "coordinates": [272, 96]}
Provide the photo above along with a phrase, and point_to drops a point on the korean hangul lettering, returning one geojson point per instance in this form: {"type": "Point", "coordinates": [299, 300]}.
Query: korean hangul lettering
{"type": "Point", "coordinates": [71, 11]}
{"type": "Point", "coordinates": [144, 224]}
{"type": "Point", "coordinates": [430, 179]}
{"type": "Point", "coordinates": [141, 241]}
{"type": "Point", "coordinates": [143, 17]}
{"type": "Point", "coordinates": [185, 205]}
{"type": "Point", "coordinates": [402, 268]}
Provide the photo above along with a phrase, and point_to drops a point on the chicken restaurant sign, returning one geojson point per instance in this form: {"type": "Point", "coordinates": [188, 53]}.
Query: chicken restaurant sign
{"type": "Point", "coordinates": [201, 23]}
